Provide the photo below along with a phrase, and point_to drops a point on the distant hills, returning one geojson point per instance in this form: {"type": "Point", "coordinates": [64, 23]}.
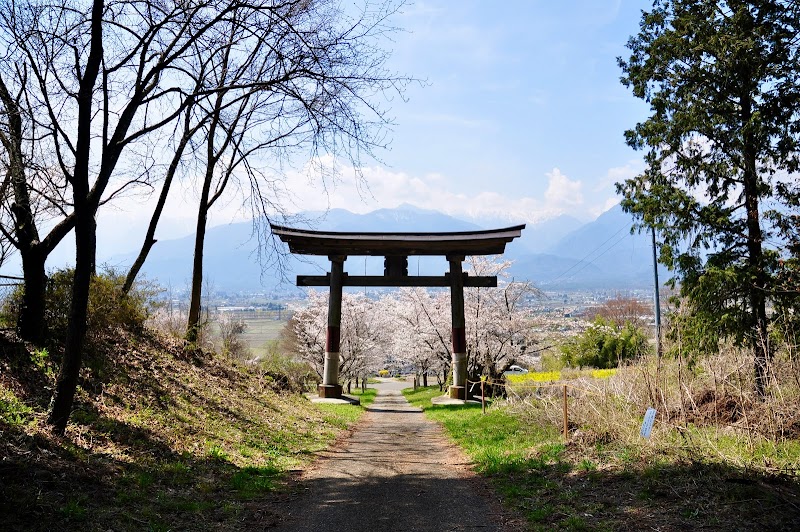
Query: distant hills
{"type": "Point", "coordinates": [599, 254]}
{"type": "Point", "coordinates": [560, 253]}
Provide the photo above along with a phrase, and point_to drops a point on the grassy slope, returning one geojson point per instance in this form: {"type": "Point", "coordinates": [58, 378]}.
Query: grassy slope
{"type": "Point", "coordinates": [609, 485]}
{"type": "Point", "coordinates": [159, 440]}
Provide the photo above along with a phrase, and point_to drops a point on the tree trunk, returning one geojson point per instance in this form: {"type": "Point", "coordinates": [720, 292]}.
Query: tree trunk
{"type": "Point", "coordinates": [76, 329]}
{"type": "Point", "coordinates": [149, 239]}
{"type": "Point", "coordinates": [193, 326]}
{"type": "Point", "coordinates": [31, 323]}
{"type": "Point", "coordinates": [425, 379]}
{"type": "Point", "coordinates": [192, 329]}
{"type": "Point", "coordinates": [85, 235]}
{"type": "Point", "coordinates": [755, 256]}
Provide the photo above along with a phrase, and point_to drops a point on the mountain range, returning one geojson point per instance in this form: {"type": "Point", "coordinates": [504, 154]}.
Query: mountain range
{"type": "Point", "coordinates": [557, 254]}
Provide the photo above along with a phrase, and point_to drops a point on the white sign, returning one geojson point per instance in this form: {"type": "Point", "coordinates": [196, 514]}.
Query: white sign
{"type": "Point", "coordinates": [647, 424]}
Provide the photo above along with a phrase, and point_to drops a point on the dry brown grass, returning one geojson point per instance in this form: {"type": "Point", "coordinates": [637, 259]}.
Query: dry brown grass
{"type": "Point", "coordinates": [707, 410]}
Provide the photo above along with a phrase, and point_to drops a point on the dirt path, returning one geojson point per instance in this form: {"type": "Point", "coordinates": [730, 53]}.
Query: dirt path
{"type": "Point", "coordinates": [397, 471]}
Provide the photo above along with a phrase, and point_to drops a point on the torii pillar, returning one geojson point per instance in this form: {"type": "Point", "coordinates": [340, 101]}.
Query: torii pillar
{"type": "Point", "coordinates": [330, 386]}
{"type": "Point", "coordinates": [458, 390]}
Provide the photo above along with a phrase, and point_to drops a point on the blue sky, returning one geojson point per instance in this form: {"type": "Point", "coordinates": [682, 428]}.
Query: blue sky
{"type": "Point", "coordinates": [521, 119]}
{"type": "Point", "coordinates": [523, 112]}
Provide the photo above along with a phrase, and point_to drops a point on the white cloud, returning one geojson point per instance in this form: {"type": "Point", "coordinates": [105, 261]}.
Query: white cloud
{"type": "Point", "coordinates": [388, 188]}
{"type": "Point", "coordinates": [562, 192]}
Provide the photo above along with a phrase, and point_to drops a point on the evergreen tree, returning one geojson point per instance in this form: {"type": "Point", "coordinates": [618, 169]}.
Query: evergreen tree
{"type": "Point", "coordinates": [721, 79]}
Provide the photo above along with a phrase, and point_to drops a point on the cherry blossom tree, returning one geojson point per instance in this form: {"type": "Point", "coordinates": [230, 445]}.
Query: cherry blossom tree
{"type": "Point", "coordinates": [499, 327]}
{"type": "Point", "coordinates": [363, 343]}
{"type": "Point", "coordinates": [306, 331]}
{"type": "Point", "coordinates": [423, 316]}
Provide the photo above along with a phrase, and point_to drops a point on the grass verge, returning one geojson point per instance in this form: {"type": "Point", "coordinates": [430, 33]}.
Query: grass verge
{"type": "Point", "coordinates": [609, 485]}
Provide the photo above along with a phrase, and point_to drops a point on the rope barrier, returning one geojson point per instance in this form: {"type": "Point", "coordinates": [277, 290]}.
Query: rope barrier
{"type": "Point", "coordinates": [557, 385]}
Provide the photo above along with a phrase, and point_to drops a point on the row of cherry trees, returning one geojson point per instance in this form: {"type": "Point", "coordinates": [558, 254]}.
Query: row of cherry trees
{"type": "Point", "coordinates": [412, 327]}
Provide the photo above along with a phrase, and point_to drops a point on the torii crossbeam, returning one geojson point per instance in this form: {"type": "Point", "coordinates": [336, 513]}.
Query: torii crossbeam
{"type": "Point", "coordinates": [396, 248]}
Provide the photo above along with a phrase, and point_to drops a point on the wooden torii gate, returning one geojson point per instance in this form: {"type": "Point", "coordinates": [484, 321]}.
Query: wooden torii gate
{"type": "Point", "coordinates": [396, 248]}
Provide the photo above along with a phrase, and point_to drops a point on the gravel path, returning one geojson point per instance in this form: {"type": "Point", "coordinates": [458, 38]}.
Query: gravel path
{"type": "Point", "coordinates": [396, 471]}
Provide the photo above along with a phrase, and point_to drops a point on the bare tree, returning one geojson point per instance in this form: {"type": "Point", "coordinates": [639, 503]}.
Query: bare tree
{"type": "Point", "coordinates": [292, 84]}
{"type": "Point", "coordinates": [105, 76]}
{"type": "Point", "coordinates": [29, 195]}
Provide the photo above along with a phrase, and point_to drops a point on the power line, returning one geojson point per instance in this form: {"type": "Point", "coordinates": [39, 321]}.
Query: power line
{"type": "Point", "coordinates": [590, 253]}
{"type": "Point", "coordinates": [597, 257]}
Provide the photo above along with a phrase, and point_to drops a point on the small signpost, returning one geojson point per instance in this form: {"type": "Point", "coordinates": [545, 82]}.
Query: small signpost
{"type": "Point", "coordinates": [483, 393]}
{"type": "Point", "coordinates": [647, 424]}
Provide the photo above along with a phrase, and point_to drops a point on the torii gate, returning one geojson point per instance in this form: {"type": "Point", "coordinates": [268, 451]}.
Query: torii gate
{"type": "Point", "coordinates": [396, 248]}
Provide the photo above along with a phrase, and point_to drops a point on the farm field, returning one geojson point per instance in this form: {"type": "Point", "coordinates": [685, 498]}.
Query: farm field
{"type": "Point", "coordinates": [261, 330]}
{"type": "Point", "coordinates": [262, 326]}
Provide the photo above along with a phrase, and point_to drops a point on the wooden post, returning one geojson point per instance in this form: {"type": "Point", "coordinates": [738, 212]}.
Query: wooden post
{"type": "Point", "coordinates": [566, 417]}
{"type": "Point", "coordinates": [483, 395]}
{"type": "Point", "coordinates": [330, 377]}
{"type": "Point", "coordinates": [459, 388]}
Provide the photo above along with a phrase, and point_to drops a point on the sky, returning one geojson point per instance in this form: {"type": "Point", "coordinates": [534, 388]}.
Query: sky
{"type": "Point", "coordinates": [524, 113]}
{"type": "Point", "coordinates": [520, 118]}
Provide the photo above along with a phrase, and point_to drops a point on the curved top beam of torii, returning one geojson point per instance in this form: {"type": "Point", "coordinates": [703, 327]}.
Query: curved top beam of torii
{"type": "Point", "coordinates": [484, 242]}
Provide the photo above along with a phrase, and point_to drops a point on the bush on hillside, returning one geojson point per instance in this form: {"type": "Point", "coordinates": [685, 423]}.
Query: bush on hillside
{"type": "Point", "coordinates": [109, 308]}
{"type": "Point", "coordinates": [285, 372]}
{"type": "Point", "coordinates": [231, 330]}
{"type": "Point", "coordinates": [604, 346]}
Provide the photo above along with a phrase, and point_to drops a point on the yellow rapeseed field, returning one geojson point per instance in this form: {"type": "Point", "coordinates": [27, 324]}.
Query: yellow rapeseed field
{"type": "Point", "coordinates": [554, 376]}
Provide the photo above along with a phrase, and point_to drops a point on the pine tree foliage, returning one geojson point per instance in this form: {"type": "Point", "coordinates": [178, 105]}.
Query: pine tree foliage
{"type": "Point", "coordinates": [721, 147]}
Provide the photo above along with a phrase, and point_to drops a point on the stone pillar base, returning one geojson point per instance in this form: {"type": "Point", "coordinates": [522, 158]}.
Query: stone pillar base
{"type": "Point", "coordinates": [330, 391]}
{"type": "Point", "coordinates": [458, 392]}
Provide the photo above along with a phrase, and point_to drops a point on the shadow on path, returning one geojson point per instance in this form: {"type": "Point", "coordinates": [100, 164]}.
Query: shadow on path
{"type": "Point", "coordinates": [397, 471]}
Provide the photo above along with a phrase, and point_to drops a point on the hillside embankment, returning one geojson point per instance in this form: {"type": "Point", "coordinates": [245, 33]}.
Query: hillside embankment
{"type": "Point", "coordinates": [161, 438]}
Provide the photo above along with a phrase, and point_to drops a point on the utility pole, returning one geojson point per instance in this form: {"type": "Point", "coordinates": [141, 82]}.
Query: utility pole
{"type": "Point", "coordinates": [656, 298]}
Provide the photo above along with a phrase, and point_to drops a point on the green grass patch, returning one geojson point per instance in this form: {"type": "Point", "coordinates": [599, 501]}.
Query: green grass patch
{"type": "Point", "coordinates": [75, 508]}
{"type": "Point", "coordinates": [610, 484]}
{"type": "Point", "coordinates": [251, 481]}
{"type": "Point", "coordinates": [12, 410]}
{"type": "Point", "coordinates": [367, 397]}
{"type": "Point", "coordinates": [498, 441]}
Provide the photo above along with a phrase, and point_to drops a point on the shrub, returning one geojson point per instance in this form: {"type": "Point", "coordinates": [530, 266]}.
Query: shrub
{"type": "Point", "coordinates": [12, 410]}
{"type": "Point", "coordinates": [231, 330]}
{"type": "Point", "coordinates": [108, 307]}
{"type": "Point", "coordinates": [604, 346]}
{"type": "Point", "coordinates": [285, 372]}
